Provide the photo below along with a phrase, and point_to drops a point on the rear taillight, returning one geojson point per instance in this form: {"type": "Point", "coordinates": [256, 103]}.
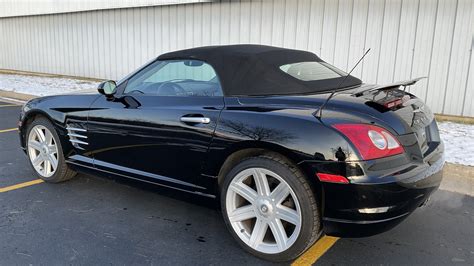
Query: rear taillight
{"type": "Point", "coordinates": [372, 142]}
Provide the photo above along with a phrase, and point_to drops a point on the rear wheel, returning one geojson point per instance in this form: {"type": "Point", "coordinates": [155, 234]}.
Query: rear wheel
{"type": "Point", "coordinates": [45, 152]}
{"type": "Point", "coordinates": [270, 209]}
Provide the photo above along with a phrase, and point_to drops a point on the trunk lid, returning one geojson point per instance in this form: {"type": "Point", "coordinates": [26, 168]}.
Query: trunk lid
{"type": "Point", "coordinates": [410, 109]}
{"type": "Point", "coordinates": [388, 106]}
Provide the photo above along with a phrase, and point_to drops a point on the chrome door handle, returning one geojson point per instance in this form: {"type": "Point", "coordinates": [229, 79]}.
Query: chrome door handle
{"type": "Point", "coordinates": [196, 120]}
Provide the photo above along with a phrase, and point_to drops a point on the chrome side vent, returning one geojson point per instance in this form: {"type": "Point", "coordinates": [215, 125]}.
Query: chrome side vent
{"type": "Point", "coordinates": [77, 136]}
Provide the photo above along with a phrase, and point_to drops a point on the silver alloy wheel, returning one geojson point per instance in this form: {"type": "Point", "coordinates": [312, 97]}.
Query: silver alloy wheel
{"type": "Point", "coordinates": [267, 220]}
{"type": "Point", "coordinates": [43, 151]}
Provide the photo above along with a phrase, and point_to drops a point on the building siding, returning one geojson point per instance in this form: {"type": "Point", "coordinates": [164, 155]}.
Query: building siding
{"type": "Point", "coordinates": [408, 38]}
{"type": "Point", "coordinates": [15, 8]}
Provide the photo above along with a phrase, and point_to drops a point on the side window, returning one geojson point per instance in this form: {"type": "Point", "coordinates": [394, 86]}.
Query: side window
{"type": "Point", "coordinates": [175, 78]}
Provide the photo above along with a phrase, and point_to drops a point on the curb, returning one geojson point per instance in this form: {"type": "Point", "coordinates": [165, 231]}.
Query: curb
{"type": "Point", "coordinates": [38, 74]}
{"type": "Point", "coordinates": [16, 95]}
{"type": "Point", "coordinates": [455, 118]}
{"type": "Point", "coordinates": [458, 178]}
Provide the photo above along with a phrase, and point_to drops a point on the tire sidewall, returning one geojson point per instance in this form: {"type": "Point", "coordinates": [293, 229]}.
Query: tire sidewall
{"type": "Point", "coordinates": [305, 202]}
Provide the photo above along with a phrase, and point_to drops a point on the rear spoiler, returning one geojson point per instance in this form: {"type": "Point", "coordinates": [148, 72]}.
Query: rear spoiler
{"type": "Point", "coordinates": [392, 86]}
{"type": "Point", "coordinates": [399, 83]}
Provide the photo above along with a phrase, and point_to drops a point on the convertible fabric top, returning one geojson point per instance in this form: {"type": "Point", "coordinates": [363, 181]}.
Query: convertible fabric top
{"type": "Point", "coordinates": [254, 70]}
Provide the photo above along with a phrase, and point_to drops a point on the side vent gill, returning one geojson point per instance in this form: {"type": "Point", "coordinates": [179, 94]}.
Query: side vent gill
{"type": "Point", "coordinates": [77, 136]}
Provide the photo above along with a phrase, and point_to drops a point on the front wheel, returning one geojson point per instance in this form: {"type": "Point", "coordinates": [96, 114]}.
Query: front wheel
{"type": "Point", "coordinates": [45, 152]}
{"type": "Point", "coordinates": [270, 208]}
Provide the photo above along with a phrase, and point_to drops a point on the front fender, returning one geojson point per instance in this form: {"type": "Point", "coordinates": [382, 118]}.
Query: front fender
{"type": "Point", "coordinates": [58, 109]}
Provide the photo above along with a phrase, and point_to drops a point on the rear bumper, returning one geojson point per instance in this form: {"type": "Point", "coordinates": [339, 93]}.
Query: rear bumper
{"type": "Point", "coordinates": [381, 198]}
{"type": "Point", "coordinates": [341, 221]}
{"type": "Point", "coordinates": [351, 228]}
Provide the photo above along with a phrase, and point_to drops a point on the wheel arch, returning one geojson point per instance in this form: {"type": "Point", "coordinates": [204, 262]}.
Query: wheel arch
{"type": "Point", "coordinates": [28, 118]}
{"type": "Point", "coordinates": [247, 149]}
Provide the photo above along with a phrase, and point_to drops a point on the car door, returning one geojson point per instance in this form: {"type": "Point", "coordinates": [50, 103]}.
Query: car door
{"type": "Point", "coordinates": [160, 125]}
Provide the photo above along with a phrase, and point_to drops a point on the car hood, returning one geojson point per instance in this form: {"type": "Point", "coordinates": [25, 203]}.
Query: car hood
{"type": "Point", "coordinates": [84, 91]}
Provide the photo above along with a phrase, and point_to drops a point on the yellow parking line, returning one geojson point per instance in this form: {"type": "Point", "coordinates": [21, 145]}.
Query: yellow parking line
{"type": "Point", "coordinates": [8, 130]}
{"type": "Point", "coordinates": [8, 105]}
{"type": "Point", "coordinates": [21, 185]}
{"type": "Point", "coordinates": [316, 251]}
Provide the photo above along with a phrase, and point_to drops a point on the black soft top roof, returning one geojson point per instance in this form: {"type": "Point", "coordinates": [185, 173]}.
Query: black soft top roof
{"type": "Point", "coordinates": [254, 70]}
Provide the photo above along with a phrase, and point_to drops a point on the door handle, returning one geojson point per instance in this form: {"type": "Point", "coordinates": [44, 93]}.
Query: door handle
{"type": "Point", "coordinates": [196, 120]}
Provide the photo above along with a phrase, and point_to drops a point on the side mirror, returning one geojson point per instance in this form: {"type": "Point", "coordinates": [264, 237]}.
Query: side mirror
{"type": "Point", "coordinates": [107, 88]}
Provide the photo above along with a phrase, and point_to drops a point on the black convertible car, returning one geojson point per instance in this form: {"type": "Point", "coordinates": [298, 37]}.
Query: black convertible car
{"type": "Point", "coordinates": [290, 145]}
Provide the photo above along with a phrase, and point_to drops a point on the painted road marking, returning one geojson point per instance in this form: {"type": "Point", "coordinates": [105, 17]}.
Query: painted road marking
{"type": "Point", "coordinates": [8, 130]}
{"type": "Point", "coordinates": [315, 252]}
{"type": "Point", "coordinates": [8, 105]}
{"type": "Point", "coordinates": [21, 185]}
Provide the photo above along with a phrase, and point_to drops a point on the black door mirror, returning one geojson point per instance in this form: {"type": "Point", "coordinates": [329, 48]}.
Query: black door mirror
{"type": "Point", "coordinates": [107, 88]}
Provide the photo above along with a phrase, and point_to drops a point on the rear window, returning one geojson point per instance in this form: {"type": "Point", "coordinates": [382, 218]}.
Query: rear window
{"type": "Point", "coordinates": [312, 71]}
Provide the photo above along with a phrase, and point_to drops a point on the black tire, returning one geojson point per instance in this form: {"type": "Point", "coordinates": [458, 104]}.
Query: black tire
{"type": "Point", "coordinates": [311, 222]}
{"type": "Point", "coordinates": [63, 172]}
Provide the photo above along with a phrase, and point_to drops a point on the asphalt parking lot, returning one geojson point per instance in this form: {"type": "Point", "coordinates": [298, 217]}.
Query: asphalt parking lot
{"type": "Point", "coordinates": [91, 220]}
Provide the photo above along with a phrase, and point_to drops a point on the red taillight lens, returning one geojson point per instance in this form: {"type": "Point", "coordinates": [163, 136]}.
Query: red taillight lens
{"type": "Point", "coordinates": [332, 178]}
{"type": "Point", "coordinates": [371, 141]}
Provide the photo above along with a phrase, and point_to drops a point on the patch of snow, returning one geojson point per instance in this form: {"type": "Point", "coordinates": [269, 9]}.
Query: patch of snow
{"type": "Point", "coordinates": [43, 86]}
{"type": "Point", "coordinates": [458, 142]}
